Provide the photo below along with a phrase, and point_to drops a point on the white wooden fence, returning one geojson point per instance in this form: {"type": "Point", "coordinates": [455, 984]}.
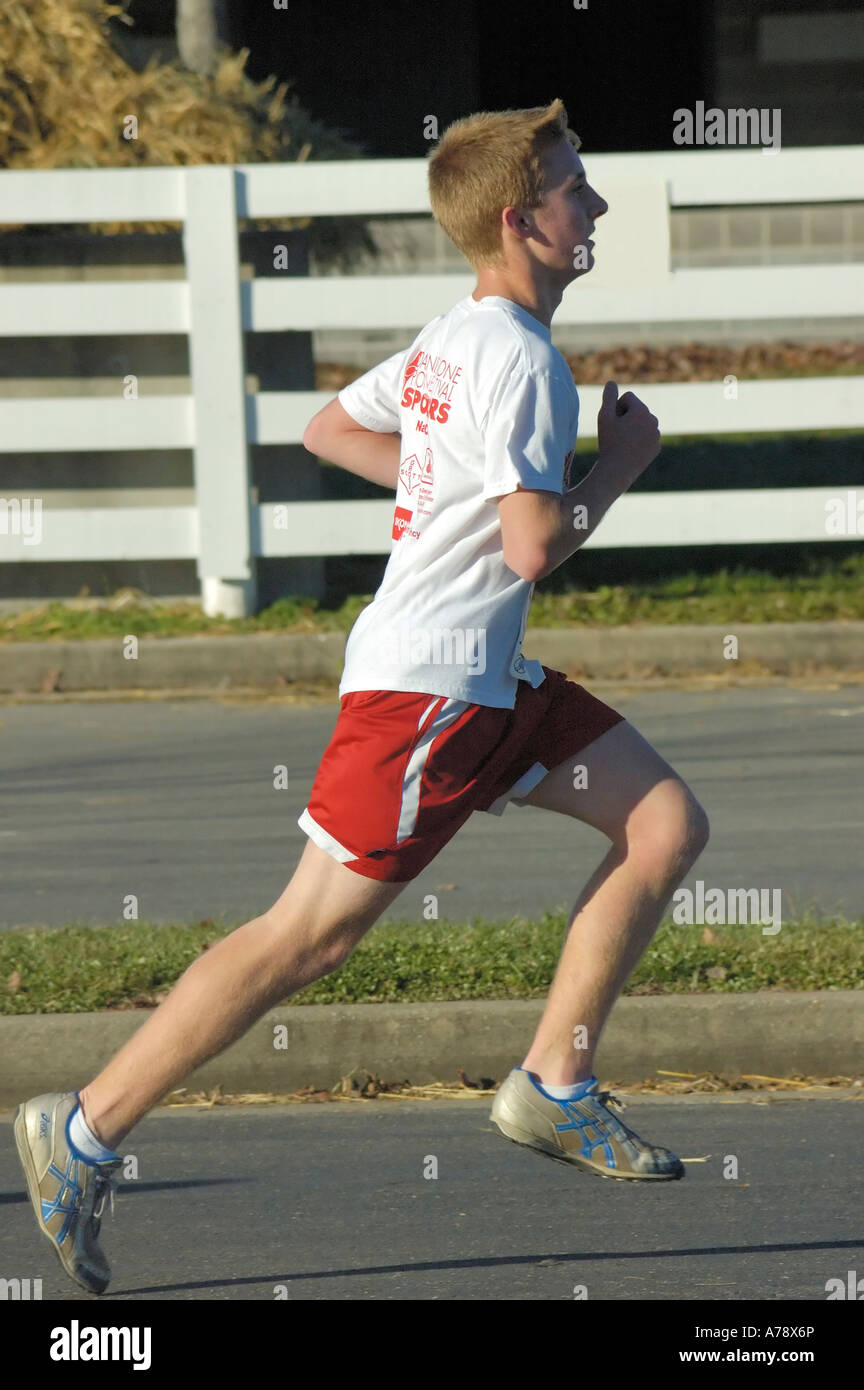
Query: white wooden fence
{"type": "Point", "coordinates": [226, 529]}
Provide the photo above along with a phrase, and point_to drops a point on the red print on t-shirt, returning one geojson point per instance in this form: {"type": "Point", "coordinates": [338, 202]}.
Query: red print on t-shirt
{"type": "Point", "coordinates": [433, 381]}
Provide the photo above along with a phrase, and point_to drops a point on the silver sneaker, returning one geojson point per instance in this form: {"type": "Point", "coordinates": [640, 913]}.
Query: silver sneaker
{"type": "Point", "coordinates": [583, 1132]}
{"type": "Point", "coordinates": [66, 1192]}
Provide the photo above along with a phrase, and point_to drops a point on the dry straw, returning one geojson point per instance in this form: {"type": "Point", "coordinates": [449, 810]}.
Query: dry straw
{"type": "Point", "coordinates": [66, 95]}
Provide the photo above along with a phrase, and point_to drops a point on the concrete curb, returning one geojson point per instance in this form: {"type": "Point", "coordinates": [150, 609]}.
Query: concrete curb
{"type": "Point", "coordinates": [812, 1033]}
{"type": "Point", "coordinates": [274, 661]}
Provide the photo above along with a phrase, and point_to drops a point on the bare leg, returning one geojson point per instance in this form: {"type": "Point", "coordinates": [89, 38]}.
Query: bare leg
{"type": "Point", "coordinates": [309, 932]}
{"type": "Point", "coordinates": [658, 830]}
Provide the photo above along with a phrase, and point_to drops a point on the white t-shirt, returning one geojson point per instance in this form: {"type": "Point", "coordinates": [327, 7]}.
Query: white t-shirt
{"type": "Point", "coordinates": [484, 403]}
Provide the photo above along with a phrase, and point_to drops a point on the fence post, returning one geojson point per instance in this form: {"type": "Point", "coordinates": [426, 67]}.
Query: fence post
{"type": "Point", "coordinates": [283, 361]}
{"type": "Point", "coordinates": [226, 566]}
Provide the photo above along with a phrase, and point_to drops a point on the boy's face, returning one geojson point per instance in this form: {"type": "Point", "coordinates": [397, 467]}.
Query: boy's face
{"type": "Point", "coordinates": [563, 223]}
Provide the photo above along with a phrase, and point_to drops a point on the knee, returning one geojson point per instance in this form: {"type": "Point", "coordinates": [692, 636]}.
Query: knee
{"type": "Point", "coordinates": [671, 828]}
{"type": "Point", "coordinates": [324, 955]}
{"type": "Point", "coordinates": [311, 950]}
{"type": "Point", "coordinates": [334, 953]}
{"type": "Point", "coordinates": [699, 829]}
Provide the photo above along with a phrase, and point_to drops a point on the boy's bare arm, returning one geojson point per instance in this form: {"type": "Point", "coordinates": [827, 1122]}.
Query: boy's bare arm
{"type": "Point", "coordinates": [334, 435]}
{"type": "Point", "coordinates": [537, 528]}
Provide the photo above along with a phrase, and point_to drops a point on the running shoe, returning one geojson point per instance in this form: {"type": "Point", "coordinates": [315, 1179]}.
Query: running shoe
{"type": "Point", "coordinates": [583, 1132]}
{"type": "Point", "coordinates": [67, 1193]}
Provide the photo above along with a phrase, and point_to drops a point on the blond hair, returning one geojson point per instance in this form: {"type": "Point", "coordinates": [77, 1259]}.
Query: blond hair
{"type": "Point", "coordinates": [487, 162]}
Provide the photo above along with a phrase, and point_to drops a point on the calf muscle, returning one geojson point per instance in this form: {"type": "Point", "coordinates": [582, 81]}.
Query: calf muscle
{"type": "Point", "coordinates": [308, 933]}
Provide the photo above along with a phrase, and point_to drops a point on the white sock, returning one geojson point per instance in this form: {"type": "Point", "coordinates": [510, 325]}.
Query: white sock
{"type": "Point", "coordinates": [84, 1141]}
{"type": "Point", "coordinates": [566, 1092]}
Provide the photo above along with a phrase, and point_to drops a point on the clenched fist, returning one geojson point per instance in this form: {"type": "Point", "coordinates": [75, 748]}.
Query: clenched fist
{"type": "Point", "coordinates": [628, 435]}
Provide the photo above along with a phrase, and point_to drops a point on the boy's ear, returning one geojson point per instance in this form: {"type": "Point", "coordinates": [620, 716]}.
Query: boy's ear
{"type": "Point", "coordinates": [516, 220]}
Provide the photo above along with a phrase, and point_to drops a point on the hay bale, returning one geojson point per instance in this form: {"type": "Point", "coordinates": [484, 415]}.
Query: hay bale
{"type": "Point", "coordinates": [66, 96]}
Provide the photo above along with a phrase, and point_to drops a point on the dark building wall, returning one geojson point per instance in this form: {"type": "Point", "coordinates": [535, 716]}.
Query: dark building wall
{"type": "Point", "coordinates": [375, 71]}
{"type": "Point", "coordinates": [803, 57]}
{"type": "Point", "coordinates": [621, 68]}
{"type": "Point", "coordinates": [372, 71]}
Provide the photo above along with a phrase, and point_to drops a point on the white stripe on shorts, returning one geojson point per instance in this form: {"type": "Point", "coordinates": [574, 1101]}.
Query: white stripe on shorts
{"type": "Point", "coordinates": [410, 804]}
{"type": "Point", "coordinates": [527, 782]}
{"type": "Point", "coordinates": [324, 839]}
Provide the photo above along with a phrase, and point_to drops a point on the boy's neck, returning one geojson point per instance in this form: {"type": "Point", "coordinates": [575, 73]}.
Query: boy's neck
{"type": "Point", "coordinates": [540, 301]}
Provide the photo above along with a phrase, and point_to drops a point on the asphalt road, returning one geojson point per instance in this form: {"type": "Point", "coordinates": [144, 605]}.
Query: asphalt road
{"type": "Point", "coordinates": [174, 802]}
{"type": "Point", "coordinates": [330, 1202]}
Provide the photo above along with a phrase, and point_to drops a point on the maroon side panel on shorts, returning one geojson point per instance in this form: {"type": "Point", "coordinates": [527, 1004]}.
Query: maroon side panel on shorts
{"type": "Point", "coordinates": [558, 719]}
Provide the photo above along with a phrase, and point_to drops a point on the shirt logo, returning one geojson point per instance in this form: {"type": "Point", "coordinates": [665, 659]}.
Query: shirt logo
{"type": "Point", "coordinates": [412, 366]}
{"type": "Point", "coordinates": [428, 386]}
{"type": "Point", "coordinates": [415, 477]}
{"type": "Point", "coordinates": [411, 472]}
{"type": "Point", "coordinates": [424, 495]}
{"type": "Point", "coordinates": [401, 522]}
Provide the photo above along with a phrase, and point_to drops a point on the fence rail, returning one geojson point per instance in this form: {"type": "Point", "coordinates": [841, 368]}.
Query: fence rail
{"type": "Point", "coordinates": [226, 529]}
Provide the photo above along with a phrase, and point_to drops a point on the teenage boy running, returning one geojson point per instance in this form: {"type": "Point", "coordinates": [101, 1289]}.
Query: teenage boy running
{"type": "Point", "coordinates": [440, 714]}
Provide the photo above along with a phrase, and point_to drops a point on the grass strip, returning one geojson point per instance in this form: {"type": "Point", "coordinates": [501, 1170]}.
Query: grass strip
{"type": "Point", "coordinates": [832, 592]}
{"type": "Point", "coordinates": [77, 969]}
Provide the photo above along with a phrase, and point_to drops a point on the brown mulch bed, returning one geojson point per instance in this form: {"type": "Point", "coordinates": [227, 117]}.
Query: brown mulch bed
{"type": "Point", "coordinates": [677, 362]}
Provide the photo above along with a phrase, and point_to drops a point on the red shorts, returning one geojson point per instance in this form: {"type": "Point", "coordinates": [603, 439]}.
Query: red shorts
{"type": "Point", "coordinates": [403, 771]}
